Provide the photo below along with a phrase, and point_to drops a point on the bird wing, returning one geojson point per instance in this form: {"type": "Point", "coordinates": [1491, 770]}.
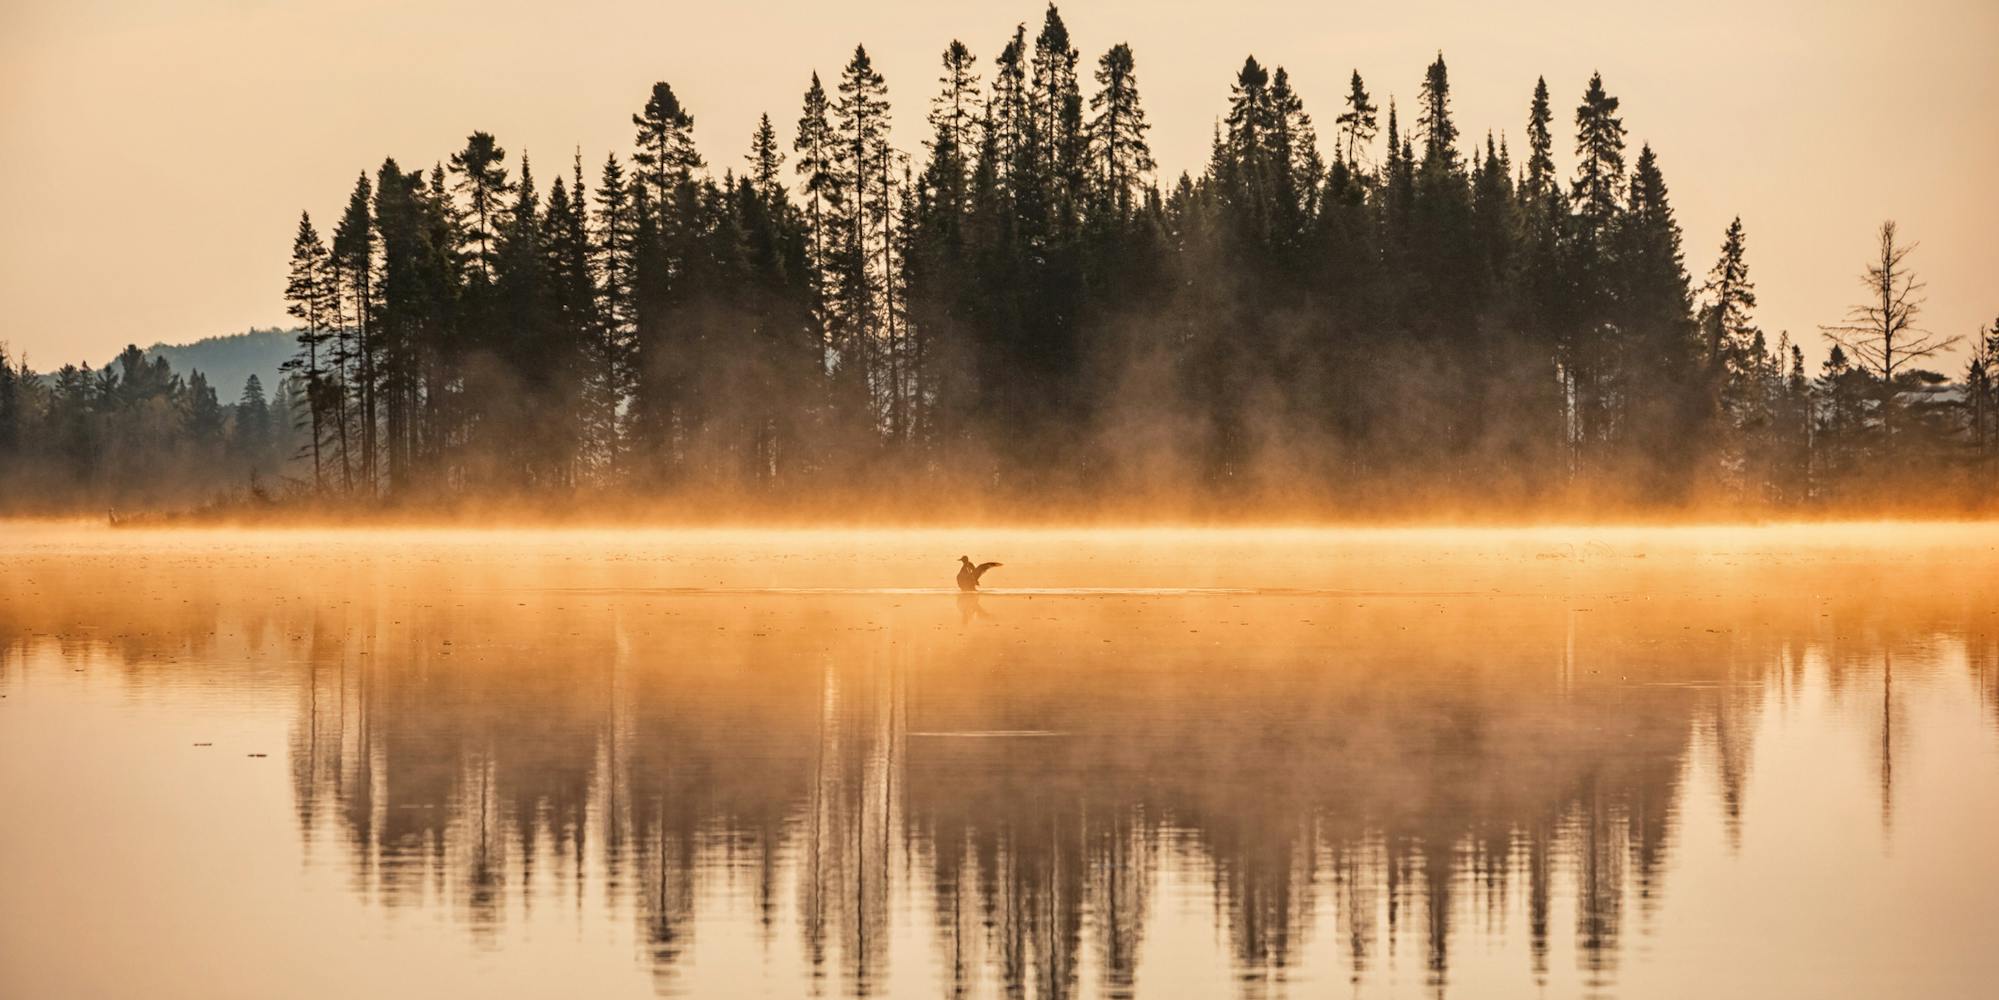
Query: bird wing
{"type": "Point", "coordinates": [981, 568]}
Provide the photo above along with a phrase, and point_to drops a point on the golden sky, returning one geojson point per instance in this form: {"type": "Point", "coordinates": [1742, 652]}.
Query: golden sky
{"type": "Point", "coordinates": [155, 154]}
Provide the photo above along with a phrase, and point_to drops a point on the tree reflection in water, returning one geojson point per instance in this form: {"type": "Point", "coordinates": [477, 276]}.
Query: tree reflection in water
{"type": "Point", "coordinates": [1028, 784]}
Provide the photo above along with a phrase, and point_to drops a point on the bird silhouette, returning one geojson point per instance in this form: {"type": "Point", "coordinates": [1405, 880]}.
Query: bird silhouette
{"type": "Point", "coordinates": [968, 574]}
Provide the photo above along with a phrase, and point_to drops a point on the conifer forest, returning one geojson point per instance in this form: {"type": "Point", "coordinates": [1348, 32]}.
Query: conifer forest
{"type": "Point", "coordinates": [1355, 306]}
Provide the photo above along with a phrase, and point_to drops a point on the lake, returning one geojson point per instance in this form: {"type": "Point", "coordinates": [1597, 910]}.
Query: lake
{"type": "Point", "coordinates": [1535, 762]}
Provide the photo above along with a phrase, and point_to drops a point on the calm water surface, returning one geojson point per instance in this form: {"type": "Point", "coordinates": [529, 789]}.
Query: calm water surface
{"type": "Point", "coordinates": [1539, 763]}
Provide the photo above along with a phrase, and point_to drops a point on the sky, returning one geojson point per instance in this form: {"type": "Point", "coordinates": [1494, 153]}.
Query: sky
{"type": "Point", "coordinates": [155, 154]}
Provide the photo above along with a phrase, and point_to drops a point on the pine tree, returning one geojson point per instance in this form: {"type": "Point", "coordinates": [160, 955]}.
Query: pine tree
{"type": "Point", "coordinates": [201, 411]}
{"type": "Point", "coordinates": [666, 154]}
{"type": "Point", "coordinates": [1597, 195]}
{"type": "Point", "coordinates": [1656, 378]}
{"type": "Point", "coordinates": [1543, 306]}
{"type": "Point", "coordinates": [863, 308]}
{"type": "Point", "coordinates": [1736, 391]}
{"type": "Point", "coordinates": [418, 326]}
{"type": "Point", "coordinates": [306, 291]}
{"type": "Point", "coordinates": [954, 117]}
{"type": "Point", "coordinates": [565, 348]}
{"type": "Point", "coordinates": [937, 250]}
{"type": "Point", "coordinates": [1433, 121]}
{"type": "Point", "coordinates": [1248, 180]}
{"type": "Point", "coordinates": [1058, 120]}
{"type": "Point", "coordinates": [1725, 317]}
{"type": "Point", "coordinates": [482, 179]}
{"type": "Point", "coordinates": [1839, 397]}
{"type": "Point", "coordinates": [765, 161]}
{"type": "Point", "coordinates": [1539, 179]}
{"type": "Point", "coordinates": [818, 154]}
{"type": "Point", "coordinates": [512, 438]}
{"type": "Point", "coordinates": [1599, 185]}
{"type": "Point", "coordinates": [1294, 163]}
{"type": "Point", "coordinates": [1357, 122]}
{"type": "Point", "coordinates": [1117, 131]}
{"type": "Point", "coordinates": [611, 382]}
{"type": "Point", "coordinates": [253, 421]}
{"type": "Point", "coordinates": [1009, 108]}
{"type": "Point", "coordinates": [354, 267]}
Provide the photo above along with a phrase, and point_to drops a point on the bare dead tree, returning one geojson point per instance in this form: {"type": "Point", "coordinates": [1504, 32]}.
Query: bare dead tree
{"type": "Point", "coordinates": [1881, 332]}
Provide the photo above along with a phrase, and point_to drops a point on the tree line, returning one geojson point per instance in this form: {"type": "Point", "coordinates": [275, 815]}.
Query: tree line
{"type": "Point", "coordinates": [1396, 314]}
{"type": "Point", "coordinates": [136, 433]}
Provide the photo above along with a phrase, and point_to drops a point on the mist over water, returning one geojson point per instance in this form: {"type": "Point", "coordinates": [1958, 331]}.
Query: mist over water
{"type": "Point", "coordinates": [1560, 761]}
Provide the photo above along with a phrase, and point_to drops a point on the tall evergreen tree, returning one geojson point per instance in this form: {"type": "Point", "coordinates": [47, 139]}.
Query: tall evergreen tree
{"type": "Point", "coordinates": [482, 180]}
{"type": "Point", "coordinates": [253, 430]}
{"type": "Point", "coordinates": [610, 385]}
{"type": "Point", "coordinates": [1117, 131]}
{"type": "Point", "coordinates": [1657, 381]}
{"type": "Point", "coordinates": [1597, 195]}
{"type": "Point", "coordinates": [817, 164]}
{"type": "Point", "coordinates": [1009, 108]}
{"type": "Point", "coordinates": [353, 261]}
{"type": "Point", "coordinates": [666, 154]}
{"type": "Point", "coordinates": [1598, 188]}
{"type": "Point", "coordinates": [1735, 393]}
{"type": "Point", "coordinates": [863, 313]}
{"type": "Point", "coordinates": [201, 411]}
{"type": "Point", "coordinates": [1433, 121]}
{"type": "Point", "coordinates": [1057, 105]}
{"type": "Point", "coordinates": [1357, 123]}
{"type": "Point", "coordinates": [306, 292]}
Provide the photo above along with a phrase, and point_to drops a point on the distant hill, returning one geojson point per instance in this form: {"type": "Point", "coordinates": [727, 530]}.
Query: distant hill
{"type": "Point", "coordinates": [226, 361]}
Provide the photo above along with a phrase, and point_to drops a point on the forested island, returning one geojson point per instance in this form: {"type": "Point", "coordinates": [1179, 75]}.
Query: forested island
{"type": "Point", "coordinates": [1021, 317]}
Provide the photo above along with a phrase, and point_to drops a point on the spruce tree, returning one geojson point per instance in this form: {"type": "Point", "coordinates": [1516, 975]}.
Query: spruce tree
{"type": "Point", "coordinates": [305, 290]}
{"type": "Point", "coordinates": [570, 333]}
{"type": "Point", "coordinates": [1057, 105]}
{"type": "Point", "coordinates": [665, 140]}
{"type": "Point", "coordinates": [1539, 177]}
{"type": "Point", "coordinates": [954, 117]}
{"type": "Point", "coordinates": [1728, 331]}
{"type": "Point", "coordinates": [1433, 121]}
{"type": "Point", "coordinates": [863, 312]}
{"type": "Point", "coordinates": [354, 263]}
{"type": "Point", "coordinates": [1657, 378]}
{"type": "Point", "coordinates": [1597, 198]}
{"type": "Point", "coordinates": [253, 420]}
{"type": "Point", "coordinates": [615, 230]}
{"type": "Point", "coordinates": [482, 180]}
{"type": "Point", "coordinates": [1009, 105]}
{"type": "Point", "coordinates": [817, 164]}
{"type": "Point", "coordinates": [201, 411]}
{"type": "Point", "coordinates": [1117, 131]}
{"type": "Point", "coordinates": [1599, 184]}
{"type": "Point", "coordinates": [1357, 123]}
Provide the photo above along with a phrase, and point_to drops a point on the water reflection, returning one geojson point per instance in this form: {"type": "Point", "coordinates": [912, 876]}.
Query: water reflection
{"type": "Point", "coordinates": [1024, 789]}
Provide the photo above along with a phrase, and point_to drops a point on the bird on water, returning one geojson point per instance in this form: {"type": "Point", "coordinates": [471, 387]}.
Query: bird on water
{"type": "Point", "coordinates": [968, 574]}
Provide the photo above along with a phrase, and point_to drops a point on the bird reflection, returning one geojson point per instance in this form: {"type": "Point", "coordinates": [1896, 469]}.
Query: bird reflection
{"type": "Point", "coordinates": [969, 609]}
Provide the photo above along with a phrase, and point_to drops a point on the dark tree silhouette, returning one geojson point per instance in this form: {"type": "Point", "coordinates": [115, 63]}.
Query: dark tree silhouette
{"type": "Point", "coordinates": [1023, 312]}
